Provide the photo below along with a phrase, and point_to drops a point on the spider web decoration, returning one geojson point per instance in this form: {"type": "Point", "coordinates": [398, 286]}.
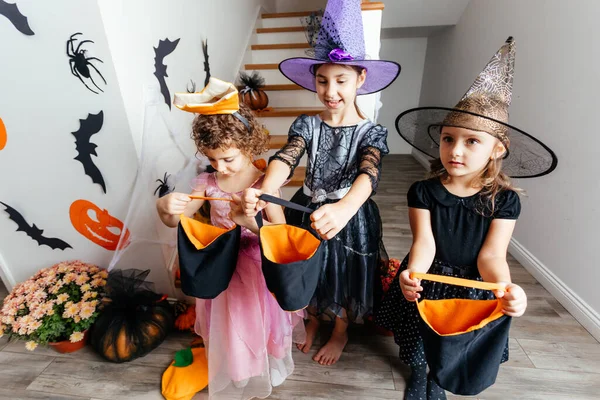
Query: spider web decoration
{"type": "Point", "coordinates": [81, 65]}
{"type": "Point", "coordinates": [332, 159]}
{"type": "Point", "coordinates": [527, 158]}
{"type": "Point", "coordinates": [324, 34]}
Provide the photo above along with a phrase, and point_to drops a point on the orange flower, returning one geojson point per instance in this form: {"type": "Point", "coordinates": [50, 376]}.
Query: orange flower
{"type": "Point", "coordinates": [81, 279]}
{"type": "Point", "coordinates": [85, 287]}
{"type": "Point", "coordinates": [70, 310]}
{"type": "Point", "coordinates": [61, 298]}
{"type": "Point", "coordinates": [31, 345]}
{"type": "Point", "coordinates": [76, 337]}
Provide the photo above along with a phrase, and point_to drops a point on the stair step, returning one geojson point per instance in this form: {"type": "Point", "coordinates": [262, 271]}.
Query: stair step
{"type": "Point", "coordinates": [277, 141]}
{"type": "Point", "coordinates": [298, 177]}
{"type": "Point", "coordinates": [288, 112]}
{"type": "Point", "coordinates": [279, 86]}
{"type": "Point", "coordinates": [250, 67]}
{"type": "Point", "coordinates": [280, 46]}
{"type": "Point", "coordinates": [287, 14]}
{"type": "Point", "coordinates": [283, 86]}
{"type": "Point", "coordinates": [369, 5]}
{"type": "Point", "coordinates": [281, 29]}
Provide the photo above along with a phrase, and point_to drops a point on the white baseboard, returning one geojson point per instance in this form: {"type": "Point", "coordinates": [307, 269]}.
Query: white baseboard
{"type": "Point", "coordinates": [581, 311]}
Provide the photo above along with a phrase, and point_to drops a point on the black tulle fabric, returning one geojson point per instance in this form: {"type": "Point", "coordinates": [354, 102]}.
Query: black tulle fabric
{"type": "Point", "coordinates": [133, 312]}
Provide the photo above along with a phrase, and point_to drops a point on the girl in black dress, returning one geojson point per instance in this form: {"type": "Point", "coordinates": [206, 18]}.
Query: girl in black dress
{"type": "Point", "coordinates": [344, 152]}
{"type": "Point", "coordinates": [462, 218]}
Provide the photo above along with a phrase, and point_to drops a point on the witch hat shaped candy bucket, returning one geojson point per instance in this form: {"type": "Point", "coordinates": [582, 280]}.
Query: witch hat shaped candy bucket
{"type": "Point", "coordinates": [207, 256]}
{"type": "Point", "coordinates": [291, 259]}
{"type": "Point", "coordinates": [464, 339]}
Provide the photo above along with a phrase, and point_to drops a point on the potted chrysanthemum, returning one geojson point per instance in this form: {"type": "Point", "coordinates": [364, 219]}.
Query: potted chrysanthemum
{"type": "Point", "coordinates": [55, 307]}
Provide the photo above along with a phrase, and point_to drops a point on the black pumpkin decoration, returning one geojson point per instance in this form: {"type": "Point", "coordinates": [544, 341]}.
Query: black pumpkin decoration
{"type": "Point", "coordinates": [134, 319]}
{"type": "Point", "coordinates": [251, 93]}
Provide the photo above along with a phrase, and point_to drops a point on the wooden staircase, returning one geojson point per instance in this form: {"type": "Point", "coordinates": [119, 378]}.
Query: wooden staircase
{"type": "Point", "coordinates": [281, 36]}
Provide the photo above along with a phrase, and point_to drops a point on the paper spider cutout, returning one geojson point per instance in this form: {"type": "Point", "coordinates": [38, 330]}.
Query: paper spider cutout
{"type": "Point", "coordinates": [163, 188]}
{"type": "Point", "coordinates": [80, 64]}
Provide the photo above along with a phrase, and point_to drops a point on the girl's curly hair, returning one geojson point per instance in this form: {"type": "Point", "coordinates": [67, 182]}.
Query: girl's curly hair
{"type": "Point", "coordinates": [225, 130]}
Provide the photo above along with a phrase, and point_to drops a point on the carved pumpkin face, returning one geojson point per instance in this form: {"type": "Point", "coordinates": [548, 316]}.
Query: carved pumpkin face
{"type": "Point", "coordinates": [97, 225]}
{"type": "Point", "coordinates": [2, 135]}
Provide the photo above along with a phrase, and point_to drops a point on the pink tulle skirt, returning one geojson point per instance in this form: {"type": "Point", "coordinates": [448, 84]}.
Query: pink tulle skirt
{"type": "Point", "coordinates": [247, 335]}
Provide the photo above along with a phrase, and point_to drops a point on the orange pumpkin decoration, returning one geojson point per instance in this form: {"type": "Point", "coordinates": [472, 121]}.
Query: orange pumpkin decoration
{"type": "Point", "coordinates": [186, 320]}
{"type": "Point", "coordinates": [3, 136]}
{"type": "Point", "coordinates": [130, 328]}
{"type": "Point", "coordinates": [100, 229]}
{"type": "Point", "coordinates": [256, 99]}
{"type": "Point", "coordinates": [251, 94]}
{"type": "Point", "coordinates": [260, 164]}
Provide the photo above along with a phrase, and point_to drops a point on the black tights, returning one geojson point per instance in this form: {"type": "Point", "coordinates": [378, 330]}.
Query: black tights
{"type": "Point", "coordinates": [421, 387]}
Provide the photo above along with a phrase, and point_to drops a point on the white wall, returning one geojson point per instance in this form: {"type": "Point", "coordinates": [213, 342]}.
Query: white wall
{"type": "Point", "coordinates": [397, 13]}
{"type": "Point", "coordinates": [409, 13]}
{"type": "Point", "coordinates": [134, 27]}
{"type": "Point", "coordinates": [555, 98]}
{"type": "Point", "coordinates": [404, 93]}
{"type": "Point", "coordinates": [42, 103]}
{"type": "Point", "coordinates": [297, 5]}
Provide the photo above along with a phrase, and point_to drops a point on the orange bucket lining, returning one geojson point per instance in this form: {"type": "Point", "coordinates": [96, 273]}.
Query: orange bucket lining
{"type": "Point", "coordinates": [200, 234]}
{"type": "Point", "coordinates": [450, 317]}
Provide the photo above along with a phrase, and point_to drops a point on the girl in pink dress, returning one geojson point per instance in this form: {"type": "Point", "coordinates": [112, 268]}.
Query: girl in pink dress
{"type": "Point", "coordinates": [247, 335]}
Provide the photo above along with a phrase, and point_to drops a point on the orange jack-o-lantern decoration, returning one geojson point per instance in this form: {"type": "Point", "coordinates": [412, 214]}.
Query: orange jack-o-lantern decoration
{"type": "Point", "coordinates": [100, 227]}
{"type": "Point", "coordinates": [3, 136]}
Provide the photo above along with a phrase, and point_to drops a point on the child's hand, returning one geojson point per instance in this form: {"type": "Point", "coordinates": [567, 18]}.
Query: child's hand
{"type": "Point", "coordinates": [410, 287]}
{"type": "Point", "coordinates": [514, 300]}
{"type": "Point", "coordinates": [238, 215]}
{"type": "Point", "coordinates": [330, 219]}
{"type": "Point", "coordinates": [249, 202]}
{"type": "Point", "coordinates": [173, 203]}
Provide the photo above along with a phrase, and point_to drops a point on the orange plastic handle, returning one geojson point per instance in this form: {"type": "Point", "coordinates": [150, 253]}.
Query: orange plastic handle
{"type": "Point", "coordinates": [210, 198]}
{"type": "Point", "coordinates": [458, 281]}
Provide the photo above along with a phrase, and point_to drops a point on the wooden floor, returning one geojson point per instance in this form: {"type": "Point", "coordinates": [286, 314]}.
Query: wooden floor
{"type": "Point", "coordinates": [552, 356]}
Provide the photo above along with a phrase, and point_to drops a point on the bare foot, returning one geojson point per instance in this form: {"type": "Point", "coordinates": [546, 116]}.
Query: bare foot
{"type": "Point", "coordinates": [332, 350]}
{"type": "Point", "coordinates": [311, 332]}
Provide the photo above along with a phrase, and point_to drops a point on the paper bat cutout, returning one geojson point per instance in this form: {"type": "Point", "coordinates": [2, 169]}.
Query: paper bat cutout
{"type": "Point", "coordinates": [11, 11]}
{"type": "Point", "coordinates": [33, 231]}
{"type": "Point", "coordinates": [165, 47]}
{"type": "Point", "coordinates": [85, 149]}
{"type": "Point", "coordinates": [206, 66]}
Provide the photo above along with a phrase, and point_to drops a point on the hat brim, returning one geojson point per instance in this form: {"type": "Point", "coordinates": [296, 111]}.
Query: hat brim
{"type": "Point", "coordinates": [528, 157]}
{"type": "Point", "coordinates": [380, 73]}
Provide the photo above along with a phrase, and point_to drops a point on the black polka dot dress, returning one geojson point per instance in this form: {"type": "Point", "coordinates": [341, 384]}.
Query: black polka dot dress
{"type": "Point", "coordinates": [459, 226]}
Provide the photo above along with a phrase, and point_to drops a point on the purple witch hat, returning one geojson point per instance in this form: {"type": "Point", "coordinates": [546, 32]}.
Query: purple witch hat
{"type": "Point", "coordinates": [338, 38]}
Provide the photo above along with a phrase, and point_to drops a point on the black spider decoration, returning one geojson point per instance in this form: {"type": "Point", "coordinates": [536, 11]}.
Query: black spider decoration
{"type": "Point", "coordinates": [163, 188]}
{"type": "Point", "coordinates": [80, 64]}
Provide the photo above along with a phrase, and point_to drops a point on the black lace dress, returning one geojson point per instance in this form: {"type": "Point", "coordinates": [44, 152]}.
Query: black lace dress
{"type": "Point", "coordinates": [336, 157]}
{"type": "Point", "coordinates": [460, 226]}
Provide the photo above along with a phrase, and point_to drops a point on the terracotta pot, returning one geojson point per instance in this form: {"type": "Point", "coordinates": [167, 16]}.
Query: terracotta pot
{"type": "Point", "coordinates": [66, 346]}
